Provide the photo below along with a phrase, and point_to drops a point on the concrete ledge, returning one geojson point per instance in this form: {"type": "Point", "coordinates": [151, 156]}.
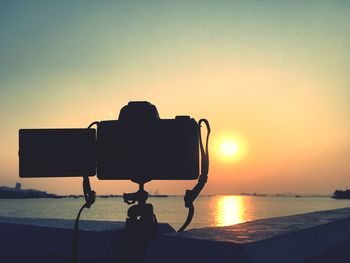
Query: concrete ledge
{"type": "Point", "coordinates": [313, 237]}
{"type": "Point", "coordinates": [294, 238]}
{"type": "Point", "coordinates": [50, 240]}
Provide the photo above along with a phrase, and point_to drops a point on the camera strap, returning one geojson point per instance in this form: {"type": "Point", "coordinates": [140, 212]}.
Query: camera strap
{"type": "Point", "coordinates": [90, 197]}
{"type": "Point", "coordinates": [191, 195]}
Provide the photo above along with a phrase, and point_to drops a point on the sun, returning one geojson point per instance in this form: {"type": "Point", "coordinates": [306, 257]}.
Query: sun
{"type": "Point", "coordinates": [229, 148]}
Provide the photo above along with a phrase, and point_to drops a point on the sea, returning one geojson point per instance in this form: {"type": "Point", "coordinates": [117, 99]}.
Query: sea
{"type": "Point", "coordinates": [218, 210]}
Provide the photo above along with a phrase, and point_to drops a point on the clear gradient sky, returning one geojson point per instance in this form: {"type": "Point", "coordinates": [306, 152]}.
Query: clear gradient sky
{"type": "Point", "coordinates": [272, 75]}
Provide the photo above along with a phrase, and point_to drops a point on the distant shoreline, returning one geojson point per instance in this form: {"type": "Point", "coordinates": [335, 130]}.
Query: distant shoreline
{"type": "Point", "coordinates": [17, 193]}
{"type": "Point", "coordinates": [53, 196]}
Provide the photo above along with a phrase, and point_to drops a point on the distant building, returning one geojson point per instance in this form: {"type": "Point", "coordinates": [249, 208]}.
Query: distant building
{"type": "Point", "coordinates": [17, 192]}
{"type": "Point", "coordinates": [18, 187]}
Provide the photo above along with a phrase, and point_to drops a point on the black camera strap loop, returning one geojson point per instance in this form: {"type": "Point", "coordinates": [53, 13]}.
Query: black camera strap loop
{"type": "Point", "coordinates": [90, 197]}
{"type": "Point", "coordinates": [191, 195]}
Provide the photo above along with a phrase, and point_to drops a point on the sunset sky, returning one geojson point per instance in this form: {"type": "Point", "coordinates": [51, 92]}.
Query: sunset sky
{"type": "Point", "coordinates": [272, 77]}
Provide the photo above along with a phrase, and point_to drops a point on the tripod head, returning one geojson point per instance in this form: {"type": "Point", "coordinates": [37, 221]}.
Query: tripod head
{"type": "Point", "coordinates": [140, 196]}
{"type": "Point", "coordinates": [141, 217]}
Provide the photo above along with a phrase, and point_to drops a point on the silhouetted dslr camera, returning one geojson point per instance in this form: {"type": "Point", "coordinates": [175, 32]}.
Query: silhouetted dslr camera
{"type": "Point", "coordinates": [139, 146]}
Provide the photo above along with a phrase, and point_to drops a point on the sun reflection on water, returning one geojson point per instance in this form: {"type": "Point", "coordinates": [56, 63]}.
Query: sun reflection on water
{"type": "Point", "coordinates": [229, 210]}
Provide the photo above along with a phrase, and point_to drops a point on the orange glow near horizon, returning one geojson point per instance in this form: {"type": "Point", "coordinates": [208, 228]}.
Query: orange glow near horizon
{"type": "Point", "coordinates": [279, 114]}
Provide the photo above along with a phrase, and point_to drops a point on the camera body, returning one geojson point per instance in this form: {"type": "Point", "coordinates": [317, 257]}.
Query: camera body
{"type": "Point", "coordinates": [139, 146]}
{"type": "Point", "coordinates": [142, 147]}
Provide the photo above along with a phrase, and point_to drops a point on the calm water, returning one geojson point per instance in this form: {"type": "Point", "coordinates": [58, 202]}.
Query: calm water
{"type": "Point", "coordinates": [209, 211]}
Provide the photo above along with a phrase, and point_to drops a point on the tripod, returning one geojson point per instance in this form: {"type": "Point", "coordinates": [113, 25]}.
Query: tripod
{"type": "Point", "coordinates": [141, 226]}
